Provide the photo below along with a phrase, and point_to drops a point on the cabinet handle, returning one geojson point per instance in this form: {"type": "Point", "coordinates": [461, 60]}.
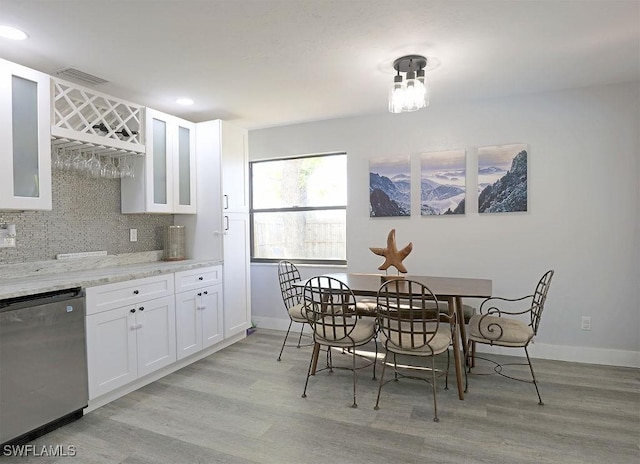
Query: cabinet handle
{"type": "Point", "coordinates": [205, 292]}
{"type": "Point", "coordinates": [139, 326]}
{"type": "Point", "coordinates": [141, 308]}
{"type": "Point", "coordinates": [200, 278]}
{"type": "Point", "coordinates": [133, 327]}
{"type": "Point", "coordinates": [226, 201]}
{"type": "Point", "coordinates": [133, 310]}
{"type": "Point", "coordinates": [226, 223]}
{"type": "Point", "coordinates": [199, 294]}
{"type": "Point", "coordinates": [135, 292]}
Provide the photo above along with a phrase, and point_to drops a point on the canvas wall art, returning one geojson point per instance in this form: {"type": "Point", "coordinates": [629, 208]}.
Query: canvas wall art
{"type": "Point", "coordinates": [502, 178]}
{"type": "Point", "coordinates": [390, 186]}
{"type": "Point", "coordinates": [443, 182]}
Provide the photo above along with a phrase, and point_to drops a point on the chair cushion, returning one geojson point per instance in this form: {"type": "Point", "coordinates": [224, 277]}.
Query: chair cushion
{"type": "Point", "coordinates": [443, 307]}
{"type": "Point", "coordinates": [366, 307]}
{"type": "Point", "coordinates": [467, 310]}
{"type": "Point", "coordinates": [513, 333]}
{"type": "Point", "coordinates": [364, 330]}
{"type": "Point", "coordinates": [297, 314]}
{"type": "Point", "coordinates": [438, 344]}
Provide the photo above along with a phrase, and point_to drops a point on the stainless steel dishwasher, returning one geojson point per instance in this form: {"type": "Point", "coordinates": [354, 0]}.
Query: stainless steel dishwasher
{"type": "Point", "coordinates": [43, 363]}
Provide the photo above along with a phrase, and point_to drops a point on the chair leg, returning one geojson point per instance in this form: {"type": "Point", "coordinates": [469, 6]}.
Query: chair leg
{"type": "Point", "coordinates": [395, 367]}
{"type": "Point", "coordinates": [473, 354]}
{"type": "Point", "coordinates": [535, 383]}
{"type": "Point", "coordinates": [433, 380]}
{"type": "Point", "coordinates": [300, 337]}
{"type": "Point", "coordinates": [375, 360]}
{"type": "Point", "coordinates": [304, 393]}
{"type": "Point", "coordinates": [355, 378]}
{"type": "Point", "coordinates": [446, 374]}
{"type": "Point", "coordinates": [285, 339]}
{"type": "Point", "coordinates": [384, 365]}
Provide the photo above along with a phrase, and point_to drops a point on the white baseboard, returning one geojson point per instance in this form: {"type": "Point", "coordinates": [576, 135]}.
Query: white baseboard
{"type": "Point", "coordinates": [580, 354]}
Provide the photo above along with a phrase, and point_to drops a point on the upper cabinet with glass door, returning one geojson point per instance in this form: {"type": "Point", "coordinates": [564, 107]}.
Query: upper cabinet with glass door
{"type": "Point", "coordinates": [25, 138]}
{"type": "Point", "coordinates": [164, 179]}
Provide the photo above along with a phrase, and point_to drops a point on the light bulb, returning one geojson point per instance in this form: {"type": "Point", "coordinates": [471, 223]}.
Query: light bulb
{"type": "Point", "coordinates": [396, 95]}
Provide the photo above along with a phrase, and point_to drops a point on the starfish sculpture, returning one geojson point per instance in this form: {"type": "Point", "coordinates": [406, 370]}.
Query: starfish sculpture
{"type": "Point", "coordinates": [393, 257]}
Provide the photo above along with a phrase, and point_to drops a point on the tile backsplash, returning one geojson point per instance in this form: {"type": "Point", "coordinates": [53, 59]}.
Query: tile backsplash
{"type": "Point", "coordinates": [85, 217]}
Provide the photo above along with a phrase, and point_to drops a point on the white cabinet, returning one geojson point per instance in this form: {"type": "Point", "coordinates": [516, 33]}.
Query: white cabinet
{"type": "Point", "coordinates": [220, 230]}
{"type": "Point", "coordinates": [237, 282]}
{"type": "Point", "coordinates": [165, 180]}
{"type": "Point", "coordinates": [199, 316]}
{"type": "Point", "coordinates": [132, 340]}
{"type": "Point", "coordinates": [25, 144]}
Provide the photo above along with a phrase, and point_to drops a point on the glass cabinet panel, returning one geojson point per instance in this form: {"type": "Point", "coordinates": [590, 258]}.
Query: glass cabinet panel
{"type": "Point", "coordinates": [184, 166]}
{"type": "Point", "coordinates": [159, 162]}
{"type": "Point", "coordinates": [25, 137]}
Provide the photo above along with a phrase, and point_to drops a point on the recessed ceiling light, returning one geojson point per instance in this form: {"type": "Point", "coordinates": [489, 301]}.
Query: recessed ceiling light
{"type": "Point", "coordinates": [184, 101]}
{"type": "Point", "coordinates": [12, 33]}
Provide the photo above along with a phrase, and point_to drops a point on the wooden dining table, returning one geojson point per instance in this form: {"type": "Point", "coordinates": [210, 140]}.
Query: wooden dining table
{"type": "Point", "coordinates": [449, 289]}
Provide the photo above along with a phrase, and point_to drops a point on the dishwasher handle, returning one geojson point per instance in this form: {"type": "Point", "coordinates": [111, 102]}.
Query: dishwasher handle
{"type": "Point", "coordinates": [11, 304]}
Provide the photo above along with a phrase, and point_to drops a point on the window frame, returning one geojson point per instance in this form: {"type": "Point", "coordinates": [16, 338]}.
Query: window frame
{"type": "Point", "coordinates": [295, 209]}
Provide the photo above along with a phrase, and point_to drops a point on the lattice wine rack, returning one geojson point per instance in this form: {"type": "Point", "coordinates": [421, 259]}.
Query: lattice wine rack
{"type": "Point", "coordinates": [93, 119]}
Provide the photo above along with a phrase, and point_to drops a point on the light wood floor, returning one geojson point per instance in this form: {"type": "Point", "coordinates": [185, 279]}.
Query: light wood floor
{"type": "Point", "coordinates": [242, 406]}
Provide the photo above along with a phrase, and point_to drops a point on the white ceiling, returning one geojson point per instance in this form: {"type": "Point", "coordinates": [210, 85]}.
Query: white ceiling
{"type": "Point", "coordinates": [265, 63]}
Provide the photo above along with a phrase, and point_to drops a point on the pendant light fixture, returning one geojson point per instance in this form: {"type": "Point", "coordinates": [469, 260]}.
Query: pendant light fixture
{"type": "Point", "coordinates": [409, 93]}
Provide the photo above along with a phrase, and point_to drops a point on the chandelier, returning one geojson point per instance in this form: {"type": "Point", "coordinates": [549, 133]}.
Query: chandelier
{"type": "Point", "coordinates": [409, 93]}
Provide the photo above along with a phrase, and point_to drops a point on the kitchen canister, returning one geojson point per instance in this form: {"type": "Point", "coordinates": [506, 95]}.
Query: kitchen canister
{"type": "Point", "coordinates": [173, 243]}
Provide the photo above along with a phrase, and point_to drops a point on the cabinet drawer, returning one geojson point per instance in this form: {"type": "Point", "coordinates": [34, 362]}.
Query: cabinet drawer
{"type": "Point", "coordinates": [110, 296]}
{"type": "Point", "coordinates": [198, 278]}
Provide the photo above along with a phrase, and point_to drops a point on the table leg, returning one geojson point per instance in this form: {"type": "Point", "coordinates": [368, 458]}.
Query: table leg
{"type": "Point", "coordinates": [463, 327]}
{"type": "Point", "coordinates": [456, 348]}
{"type": "Point", "coordinates": [315, 355]}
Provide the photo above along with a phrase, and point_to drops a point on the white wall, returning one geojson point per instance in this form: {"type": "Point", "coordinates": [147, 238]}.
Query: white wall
{"type": "Point", "coordinates": [583, 219]}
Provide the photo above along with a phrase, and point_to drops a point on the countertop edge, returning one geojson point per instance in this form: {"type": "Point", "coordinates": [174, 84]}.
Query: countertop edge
{"type": "Point", "coordinates": [12, 288]}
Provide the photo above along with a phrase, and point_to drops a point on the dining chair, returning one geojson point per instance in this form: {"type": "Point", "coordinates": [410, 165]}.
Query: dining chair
{"type": "Point", "coordinates": [288, 274]}
{"type": "Point", "coordinates": [330, 307]}
{"type": "Point", "coordinates": [516, 330]}
{"type": "Point", "coordinates": [410, 325]}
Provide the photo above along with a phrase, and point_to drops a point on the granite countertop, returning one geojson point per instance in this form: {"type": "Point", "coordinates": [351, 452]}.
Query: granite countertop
{"type": "Point", "coordinates": [47, 276]}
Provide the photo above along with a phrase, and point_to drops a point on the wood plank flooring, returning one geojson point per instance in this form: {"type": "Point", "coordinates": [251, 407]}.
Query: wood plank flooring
{"type": "Point", "coordinates": [242, 406]}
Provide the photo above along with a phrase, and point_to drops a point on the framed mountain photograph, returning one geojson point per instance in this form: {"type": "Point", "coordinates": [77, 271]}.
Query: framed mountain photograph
{"type": "Point", "coordinates": [502, 178]}
{"type": "Point", "coordinates": [443, 182]}
{"type": "Point", "coordinates": [390, 186]}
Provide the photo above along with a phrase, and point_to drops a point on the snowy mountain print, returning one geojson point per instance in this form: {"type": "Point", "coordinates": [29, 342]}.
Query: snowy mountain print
{"type": "Point", "coordinates": [502, 179]}
{"type": "Point", "coordinates": [389, 186]}
{"type": "Point", "coordinates": [442, 182]}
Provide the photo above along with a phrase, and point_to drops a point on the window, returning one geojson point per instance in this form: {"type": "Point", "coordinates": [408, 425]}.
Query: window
{"type": "Point", "coordinates": [299, 209]}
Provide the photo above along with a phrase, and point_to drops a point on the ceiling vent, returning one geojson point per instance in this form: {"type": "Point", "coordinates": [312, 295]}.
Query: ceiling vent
{"type": "Point", "coordinates": [80, 77]}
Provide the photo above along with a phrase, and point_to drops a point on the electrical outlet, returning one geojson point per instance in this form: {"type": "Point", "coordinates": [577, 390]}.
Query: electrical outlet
{"type": "Point", "coordinates": [133, 235]}
{"type": "Point", "coordinates": [585, 323]}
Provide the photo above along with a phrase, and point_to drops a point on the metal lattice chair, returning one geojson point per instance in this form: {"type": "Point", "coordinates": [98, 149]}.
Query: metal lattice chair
{"type": "Point", "coordinates": [292, 297]}
{"type": "Point", "coordinates": [331, 311]}
{"type": "Point", "coordinates": [410, 324]}
{"type": "Point", "coordinates": [490, 327]}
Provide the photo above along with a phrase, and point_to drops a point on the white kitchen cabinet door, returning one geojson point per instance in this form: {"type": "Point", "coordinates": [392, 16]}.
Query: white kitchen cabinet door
{"type": "Point", "coordinates": [111, 350]}
{"type": "Point", "coordinates": [25, 138]}
{"type": "Point", "coordinates": [234, 151]}
{"type": "Point", "coordinates": [184, 172]}
{"type": "Point", "coordinates": [199, 319]}
{"type": "Point", "coordinates": [156, 334]}
{"type": "Point", "coordinates": [188, 324]}
{"type": "Point", "coordinates": [236, 271]}
{"type": "Point", "coordinates": [211, 312]}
